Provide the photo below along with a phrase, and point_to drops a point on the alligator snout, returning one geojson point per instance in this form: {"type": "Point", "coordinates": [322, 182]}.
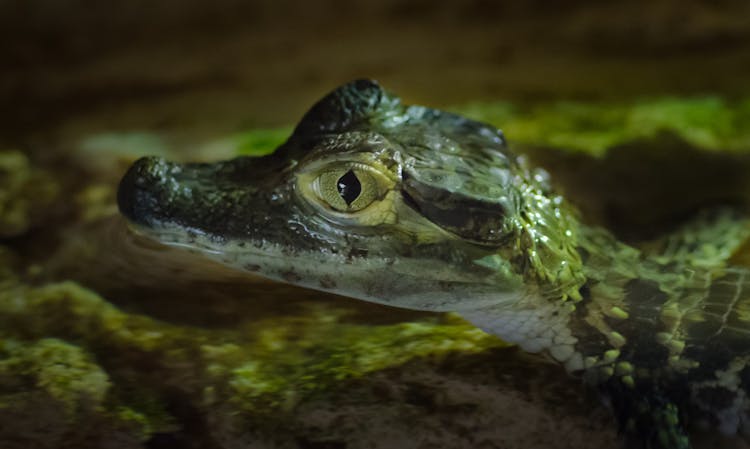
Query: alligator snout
{"type": "Point", "coordinates": [144, 190]}
{"type": "Point", "coordinates": [217, 199]}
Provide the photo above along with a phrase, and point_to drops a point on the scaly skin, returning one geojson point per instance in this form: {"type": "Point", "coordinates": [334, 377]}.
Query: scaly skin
{"type": "Point", "coordinates": [423, 209]}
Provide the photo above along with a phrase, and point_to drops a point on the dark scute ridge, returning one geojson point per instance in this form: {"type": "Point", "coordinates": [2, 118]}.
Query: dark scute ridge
{"type": "Point", "coordinates": [343, 107]}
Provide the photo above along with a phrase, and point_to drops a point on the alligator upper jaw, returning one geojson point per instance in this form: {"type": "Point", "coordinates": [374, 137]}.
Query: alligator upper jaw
{"type": "Point", "coordinates": [205, 198]}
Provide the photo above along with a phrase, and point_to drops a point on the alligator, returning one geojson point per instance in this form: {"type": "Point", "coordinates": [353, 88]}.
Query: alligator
{"type": "Point", "coordinates": [419, 208]}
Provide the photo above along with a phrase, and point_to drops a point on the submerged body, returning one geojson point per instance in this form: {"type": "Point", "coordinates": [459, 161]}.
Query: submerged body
{"type": "Point", "coordinates": [418, 208]}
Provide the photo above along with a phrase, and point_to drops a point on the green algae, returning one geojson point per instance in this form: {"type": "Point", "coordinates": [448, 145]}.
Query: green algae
{"type": "Point", "coordinates": [326, 352]}
{"type": "Point", "coordinates": [53, 340]}
{"type": "Point", "coordinates": [64, 371]}
{"type": "Point", "coordinates": [142, 411]}
{"type": "Point", "coordinates": [258, 142]}
{"type": "Point", "coordinates": [83, 350]}
{"type": "Point", "coordinates": [25, 193]}
{"type": "Point", "coordinates": [706, 122]}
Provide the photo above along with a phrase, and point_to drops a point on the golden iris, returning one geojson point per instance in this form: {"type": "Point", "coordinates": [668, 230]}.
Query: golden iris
{"type": "Point", "coordinates": [346, 189]}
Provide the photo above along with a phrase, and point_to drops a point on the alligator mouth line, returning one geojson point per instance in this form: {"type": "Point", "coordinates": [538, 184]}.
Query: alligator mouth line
{"type": "Point", "coordinates": [174, 236]}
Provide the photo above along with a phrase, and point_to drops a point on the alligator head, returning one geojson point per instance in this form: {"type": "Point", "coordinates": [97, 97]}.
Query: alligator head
{"type": "Point", "coordinates": [369, 198]}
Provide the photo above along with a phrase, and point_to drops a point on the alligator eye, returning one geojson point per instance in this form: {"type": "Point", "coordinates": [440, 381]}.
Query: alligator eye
{"type": "Point", "coordinates": [349, 187]}
{"type": "Point", "coordinates": [346, 189]}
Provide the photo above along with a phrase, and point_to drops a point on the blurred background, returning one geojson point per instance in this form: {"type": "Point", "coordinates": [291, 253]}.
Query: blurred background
{"type": "Point", "coordinates": [91, 85]}
{"type": "Point", "coordinates": [72, 67]}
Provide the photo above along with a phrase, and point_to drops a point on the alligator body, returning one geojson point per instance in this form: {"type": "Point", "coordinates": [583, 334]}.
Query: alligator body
{"type": "Point", "coordinates": [418, 208]}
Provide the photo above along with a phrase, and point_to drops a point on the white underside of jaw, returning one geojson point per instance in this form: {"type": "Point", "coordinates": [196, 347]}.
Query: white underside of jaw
{"type": "Point", "coordinates": [537, 328]}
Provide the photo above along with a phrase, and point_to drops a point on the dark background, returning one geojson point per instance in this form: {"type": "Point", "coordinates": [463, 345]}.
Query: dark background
{"type": "Point", "coordinates": [78, 66]}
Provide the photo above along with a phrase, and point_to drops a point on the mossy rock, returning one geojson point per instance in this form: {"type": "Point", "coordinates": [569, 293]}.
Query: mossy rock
{"type": "Point", "coordinates": [93, 360]}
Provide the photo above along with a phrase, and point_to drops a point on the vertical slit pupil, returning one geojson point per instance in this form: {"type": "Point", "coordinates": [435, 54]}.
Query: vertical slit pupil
{"type": "Point", "coordinates": [349, 187]}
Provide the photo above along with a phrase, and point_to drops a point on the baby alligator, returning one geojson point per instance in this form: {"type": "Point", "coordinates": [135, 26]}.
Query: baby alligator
{"type": "Point", "coordinates": [423, 209]}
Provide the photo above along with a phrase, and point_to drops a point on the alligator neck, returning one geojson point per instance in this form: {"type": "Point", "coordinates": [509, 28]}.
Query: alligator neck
{"type": "Point", "coordinates": [587, 318]}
